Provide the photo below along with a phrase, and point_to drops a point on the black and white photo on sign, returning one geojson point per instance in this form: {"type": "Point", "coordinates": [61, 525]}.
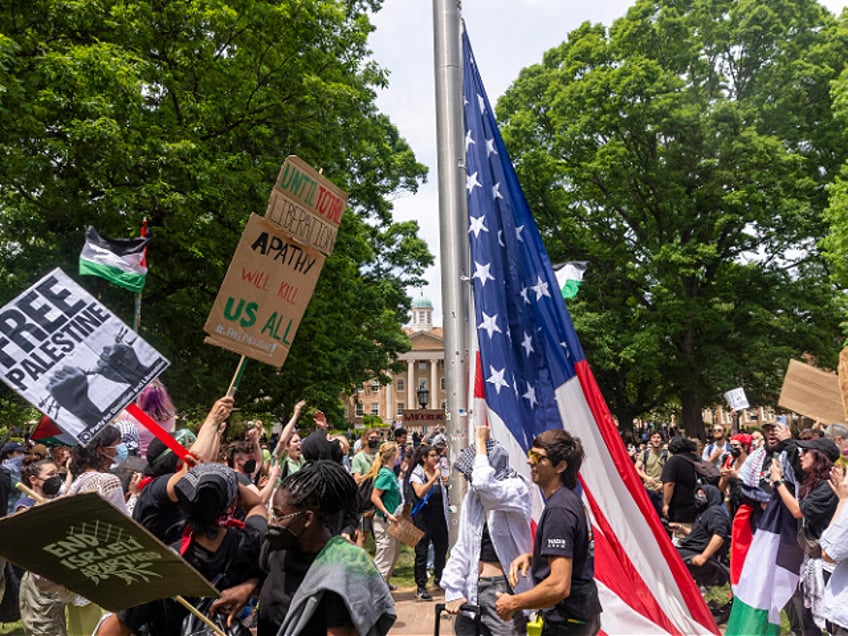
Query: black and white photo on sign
{"type": "Point", "coordinates": [71, 357]}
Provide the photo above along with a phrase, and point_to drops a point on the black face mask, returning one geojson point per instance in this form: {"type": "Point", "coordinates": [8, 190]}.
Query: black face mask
{"type": "Point", "coordinates": [736, 452]}
{"type": "Point", "coordinates": [249, 466]}
{"type": "Point", "coordinates": [281, 538]}
{"type": "Point", "coordinates": [373, 443]}
{"type": "Point", "coordinates": [701, 502]}
{"type": "Point", "coordinates": [52, 485]}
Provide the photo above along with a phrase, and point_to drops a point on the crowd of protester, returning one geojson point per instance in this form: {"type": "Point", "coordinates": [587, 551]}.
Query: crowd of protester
{"type": "Point", "coordinates": [278, 525]}
{"type": "Point", "coordinates": [714, 520]}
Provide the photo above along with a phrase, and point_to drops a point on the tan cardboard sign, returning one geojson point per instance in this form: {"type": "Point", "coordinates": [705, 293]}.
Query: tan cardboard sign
{"type": "Point", "coordinates": [306, 205]}
{"type": "Point", "coordinates": [812, 392]}
{"type": "Point", "coordinates": [88, 546]}
{"type": "Point", "coordinates": [264, 294]}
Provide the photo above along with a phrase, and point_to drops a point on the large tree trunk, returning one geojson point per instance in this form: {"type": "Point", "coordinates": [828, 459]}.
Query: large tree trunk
{"type": "Point", "coordinates": [692, 417]}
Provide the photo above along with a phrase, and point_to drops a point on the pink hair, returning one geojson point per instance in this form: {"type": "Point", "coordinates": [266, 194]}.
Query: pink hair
{"type": "Point", "coordinates": [155, 401]}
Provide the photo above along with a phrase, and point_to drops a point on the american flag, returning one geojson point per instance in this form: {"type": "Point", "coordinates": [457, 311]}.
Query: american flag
{"type": "Point", "coordinates": [533, 376]}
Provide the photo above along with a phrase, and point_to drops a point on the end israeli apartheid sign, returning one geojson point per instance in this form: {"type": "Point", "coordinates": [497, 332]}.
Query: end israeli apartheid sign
{"type": "Point", "coordinates": [87, 545]}
{"type": "Point", "coordinates": [306, 205]}
{"type": "Point", "coordinates": [72, 358]}
{"type": "Point", "coordinates": [264, 294]}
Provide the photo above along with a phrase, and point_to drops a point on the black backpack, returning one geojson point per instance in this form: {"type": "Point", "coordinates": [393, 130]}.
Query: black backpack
{"type": "Point", "coordinates": [705, 472]}
{"type": "Point", "coordinates": [364, 505]}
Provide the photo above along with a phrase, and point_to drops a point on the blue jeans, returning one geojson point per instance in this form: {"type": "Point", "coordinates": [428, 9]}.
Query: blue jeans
{"type": "Point", "coordinates": [487, 591]}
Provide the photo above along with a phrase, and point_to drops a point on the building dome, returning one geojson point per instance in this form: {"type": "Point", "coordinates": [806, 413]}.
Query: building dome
{"type": "Point", "coordinates": [422, 314]}
{"type": "Point", "coordinates": [421, 303]}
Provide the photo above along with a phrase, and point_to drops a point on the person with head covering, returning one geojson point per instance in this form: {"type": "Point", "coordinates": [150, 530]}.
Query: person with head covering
{"type": "Point", "coordinates": [318, 583]}
{"type": "Point", "coordinates": [709, 534]}
{"type": "Point", "coordinates": [225, 551]}
{"type": "Point", "coordinates": [729, 485]}
{"type": "Point", "coordinates": [494, 529]}
{"type": "Point", "coordinates": [156, 508]}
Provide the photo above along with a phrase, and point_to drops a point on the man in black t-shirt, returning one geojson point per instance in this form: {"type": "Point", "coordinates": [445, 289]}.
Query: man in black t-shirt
{"type": "Point", "coordinates": [562, 563]}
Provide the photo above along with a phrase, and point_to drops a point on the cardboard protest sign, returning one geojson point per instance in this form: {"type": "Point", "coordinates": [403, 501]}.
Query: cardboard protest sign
{"type": "Point", "coordinates": [264, 294]}
{"type": "Point", "coordinates": [843, 380]}
{"type": "Point", "coordinates": [91, 548]}
{"type": "Point", "coordinates": [71, 357]}
{"type": "Point", "coordinates": [306, 205]}
{"type": "Point", "coordinates": [812, 392]}
{"type": "Point", "coordinates": [736, 399]}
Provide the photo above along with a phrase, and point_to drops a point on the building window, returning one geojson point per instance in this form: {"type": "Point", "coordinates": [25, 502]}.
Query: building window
{"type": "Point", "coordinates": [358, 410]}
{"type": "Point", "coordinates": [400, 409]}
{"type": "Point", "coordinates": [375, 386]}
{"type": "Point", "coordinates": [401, 385]}
{"type": "Point", "coordinates": [360, 387]}
{"type": "Point", "coordinates": [442, 385]}
{"type": "Point", "coordinates": [422, 365]}
{"type": "Point", "coordinates": [375, 408]}
{"type": "Point", "coordinates": [422, 384]}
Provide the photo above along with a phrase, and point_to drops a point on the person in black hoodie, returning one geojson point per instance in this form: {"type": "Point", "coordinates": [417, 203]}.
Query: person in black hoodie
{"type": "Point", "coordinates": [710, 533]}
{"type": "Point", "coordinates": [679, 481]}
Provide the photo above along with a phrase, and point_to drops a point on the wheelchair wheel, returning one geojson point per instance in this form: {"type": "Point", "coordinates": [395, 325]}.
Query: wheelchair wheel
{"type": "Point", "coordinates": [713, 579]}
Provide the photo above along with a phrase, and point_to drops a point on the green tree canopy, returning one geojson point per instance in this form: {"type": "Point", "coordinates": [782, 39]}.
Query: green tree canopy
{"type": "Point", "coordinates": [183, 112]}
{"type": "Point", "coordinates": [685, 154]}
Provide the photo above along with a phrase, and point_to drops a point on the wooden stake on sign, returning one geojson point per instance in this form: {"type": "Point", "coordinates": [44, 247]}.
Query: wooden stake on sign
{"type": "Point", "coordinates": [191, 608]}
{"type": "Point", "coordinates": [30, 492]}
{"type": "Point", "coordinates": [237, 376]}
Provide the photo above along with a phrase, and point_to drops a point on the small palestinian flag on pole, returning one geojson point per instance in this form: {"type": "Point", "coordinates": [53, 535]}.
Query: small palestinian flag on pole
{"type": "Point", "coordinates": [569, 275]}
{"type": "Point", "coordinates": [120, 261]}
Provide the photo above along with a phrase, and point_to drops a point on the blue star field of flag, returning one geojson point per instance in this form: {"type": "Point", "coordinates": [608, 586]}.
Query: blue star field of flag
{"type": "Point", "coordinates": [527, 342]}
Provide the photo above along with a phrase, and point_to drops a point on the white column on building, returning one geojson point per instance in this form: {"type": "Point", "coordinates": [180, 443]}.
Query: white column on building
{"type": "Point", "coordinates": [411, 402]}
{"type": "Point", "coordinates": [390, 408]}
{"type": "Point", "coordinates": [434, 385]}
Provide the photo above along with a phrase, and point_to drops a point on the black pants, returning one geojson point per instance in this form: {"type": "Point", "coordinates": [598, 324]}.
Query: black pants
{"type": "Point", "coordinates": [589, 628]}
{"type": "Point", "coordinates": [436, 530]}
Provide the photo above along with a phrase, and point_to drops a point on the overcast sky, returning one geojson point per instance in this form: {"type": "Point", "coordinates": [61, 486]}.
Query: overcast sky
{"type": "Point", "coordinates": [506, 35]}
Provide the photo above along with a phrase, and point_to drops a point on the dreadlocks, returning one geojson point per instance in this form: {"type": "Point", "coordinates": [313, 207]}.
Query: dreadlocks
{"type": "Point", "coordinates": [323, 485]}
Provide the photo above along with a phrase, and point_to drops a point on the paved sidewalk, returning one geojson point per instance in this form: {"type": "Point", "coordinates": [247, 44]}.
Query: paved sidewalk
{"type": "Point", "coordinates": [417, 618]}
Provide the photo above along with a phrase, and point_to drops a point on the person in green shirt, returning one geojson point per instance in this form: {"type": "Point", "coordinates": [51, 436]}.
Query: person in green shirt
{"type": "Point", "coordinates": [359, 468]}
{"type": "Point", "coordinates": [386, 497]}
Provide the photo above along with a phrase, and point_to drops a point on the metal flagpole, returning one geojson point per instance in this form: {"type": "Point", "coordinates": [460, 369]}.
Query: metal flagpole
{"type": "Point", "coordinates": [452, 227]}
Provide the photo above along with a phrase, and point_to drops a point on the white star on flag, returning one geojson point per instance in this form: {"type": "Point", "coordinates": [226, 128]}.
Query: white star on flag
{"type": "Point", "coordinates": [497, 379]}
{"type": "Point", "coordinates": [527, 344]}
{"type": "Point", "coordinates": [482, 272]}
{"type": "Point", "coordinates": [541, 289]}
{"type": "Point", "coordinates": [530, 396]}
{"type": "Point", "coordinates": [477, 225]}
{"type": "Point", "coordinates": [490, 324]}
{"type": "Point", "coordinates": [471, 183]}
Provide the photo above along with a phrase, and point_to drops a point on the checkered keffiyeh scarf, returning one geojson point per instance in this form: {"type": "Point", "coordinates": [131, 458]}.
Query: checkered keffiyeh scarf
{"type": "Point", "coordinates": [498, 459]}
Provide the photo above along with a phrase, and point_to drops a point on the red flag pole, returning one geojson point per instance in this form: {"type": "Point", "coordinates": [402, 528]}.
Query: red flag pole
{"type": "Point", "coordinates": [160, 433]}
{"type": "Point", "coordinates": [137, 305]}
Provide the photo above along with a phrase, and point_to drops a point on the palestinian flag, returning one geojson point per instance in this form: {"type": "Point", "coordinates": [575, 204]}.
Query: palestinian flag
{"type": "Point", "coordinates": [48, 433]}
{"type": "Point", "coordinates": [120, 261]}
{"type": "Point", "coordinates": [769, 575]}
{"type": "Point", "coordinates": [568, 276]}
